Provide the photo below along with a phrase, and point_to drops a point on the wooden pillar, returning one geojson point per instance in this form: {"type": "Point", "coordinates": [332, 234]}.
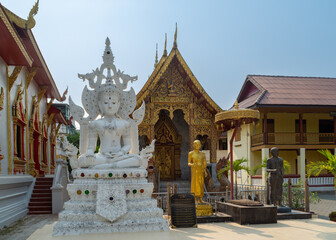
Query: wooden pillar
{"type": "Point", "coordinates": [290, 202]}
{"type": "Point", "coordinates": [334, 129]}
{"type": "Point", "coordinates": [307, 209]}
{"type": "Point", "coordinates": [265, 129]}
{"type": "Point", "coordinates": [301, 128]}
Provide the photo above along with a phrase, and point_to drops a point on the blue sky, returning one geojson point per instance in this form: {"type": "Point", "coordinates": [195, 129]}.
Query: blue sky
{"type": "Point", "coordinates": [221, 41]}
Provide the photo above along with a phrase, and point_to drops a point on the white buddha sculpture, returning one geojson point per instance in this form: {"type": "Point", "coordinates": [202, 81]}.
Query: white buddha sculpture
{"type": "Point", "coordinates": [114, 134]}
{"type": "Point", "coordinates": [117, 131]}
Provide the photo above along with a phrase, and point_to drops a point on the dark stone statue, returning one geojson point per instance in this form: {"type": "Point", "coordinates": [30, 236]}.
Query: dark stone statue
{"type": "Point", "coordinates": [276, 170]}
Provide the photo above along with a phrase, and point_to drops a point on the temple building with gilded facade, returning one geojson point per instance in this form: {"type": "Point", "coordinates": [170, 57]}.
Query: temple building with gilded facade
{"type": "Point", "coordinates": [178, 111]}
{"type": "Point", "coordinates": [29, 124]}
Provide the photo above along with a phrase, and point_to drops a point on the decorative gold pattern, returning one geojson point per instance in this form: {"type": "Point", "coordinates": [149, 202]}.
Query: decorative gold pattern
{"type": "Point", "coordinates": [12, 78]}
{"type": "Point", "coordinates": [30, 75]}
{"type": "Point", "coordinates": [173, 86]}
{"type": "Point", "coordinates": [237, 114]}
{"type": "Point", "coordinates": [40, 94]}
{"type": "Point", "coordinates": [2, 97]}
{"type": "Point", "coordinates": [204, 209]}
{"type": "Point", "coordinates": [22, 23]}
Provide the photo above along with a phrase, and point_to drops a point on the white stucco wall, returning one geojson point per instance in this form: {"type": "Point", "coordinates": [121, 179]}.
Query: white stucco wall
{"type": "Point", "coordinates": [241, 149]}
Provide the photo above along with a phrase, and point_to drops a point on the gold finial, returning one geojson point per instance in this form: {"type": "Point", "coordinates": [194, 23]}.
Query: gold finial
{"type": "Point", "coordinates": [236, 105]}
{"type": "Point", "coordinates": [22, 23]}
{"type": "Point", "coordinates": [156, 57]}
{"type": "Point", "coordinates": [175, 37]}
{"type": "Point", "coordinates": [165, 47]}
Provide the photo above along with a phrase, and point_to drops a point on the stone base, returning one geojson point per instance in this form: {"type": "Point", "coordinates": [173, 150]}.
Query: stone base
{"type": "Point", "coordinates": [249, 214]}
{"type": "Point", "coordinates": [283, 209]}
{"type": "Point", "coordinates": [294, 215]}
{"type": "Point", "coordinates": [105, 201]}
{"type": "Point", "coordinates": [217, 217]}
{"type": "Point", "coordinates": [203, 209]}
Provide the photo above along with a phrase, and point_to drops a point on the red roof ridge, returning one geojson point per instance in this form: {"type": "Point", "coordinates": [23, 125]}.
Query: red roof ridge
{"type": "Point", "coordinates": [286, 76]}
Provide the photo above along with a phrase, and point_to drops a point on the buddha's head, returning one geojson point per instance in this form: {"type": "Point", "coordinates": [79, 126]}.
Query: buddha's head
{"type": "Point", "coordinates": [197, 145]}
{"type": "Point", "coordinates": [108, 101]}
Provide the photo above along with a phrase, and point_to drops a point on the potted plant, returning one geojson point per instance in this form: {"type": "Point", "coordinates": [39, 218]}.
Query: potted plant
{"type": "Point", "coordinates": [332, 216]}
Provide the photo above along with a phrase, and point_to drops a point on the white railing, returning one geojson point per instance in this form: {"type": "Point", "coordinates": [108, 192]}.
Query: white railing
{"type": "Point", "coordinates": [256, 181]}
{"type": "Point", "coordinates": [59, 187]}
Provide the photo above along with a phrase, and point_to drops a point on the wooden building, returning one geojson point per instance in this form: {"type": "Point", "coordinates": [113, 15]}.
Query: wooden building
{"type": "Point", "coordinates": [298, 115]}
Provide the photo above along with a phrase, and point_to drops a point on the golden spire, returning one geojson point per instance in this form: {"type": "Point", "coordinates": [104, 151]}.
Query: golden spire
{"type": "Point", "coordinates": [236, 105]}
{"type": "Point", "coordinates": [175, 37]}
{"type": "Point", "coordinates": [165, 47]}
{"type": "Point", "coordinates": [156, 57]}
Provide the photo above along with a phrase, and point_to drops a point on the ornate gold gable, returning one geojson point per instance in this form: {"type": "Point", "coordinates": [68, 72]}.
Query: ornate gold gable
{"type": "Point", "coordinates": [172, 86]}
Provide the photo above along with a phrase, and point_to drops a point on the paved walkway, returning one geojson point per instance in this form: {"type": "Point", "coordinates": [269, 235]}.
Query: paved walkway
{"type": "Point", "coordinates": [283, 230]}
{"type": "Point", "coordinates": [325, 206]}
{"type": "Point", "coordinates": [24, 228]}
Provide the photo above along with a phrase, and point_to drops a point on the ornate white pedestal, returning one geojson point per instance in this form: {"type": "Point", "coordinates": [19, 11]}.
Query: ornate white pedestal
{"type": "Point", "coordinates": [104, 201]}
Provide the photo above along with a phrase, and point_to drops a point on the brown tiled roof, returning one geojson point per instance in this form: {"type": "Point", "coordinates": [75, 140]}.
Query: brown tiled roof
{"type": "Point", "coordinates": [284, 90]}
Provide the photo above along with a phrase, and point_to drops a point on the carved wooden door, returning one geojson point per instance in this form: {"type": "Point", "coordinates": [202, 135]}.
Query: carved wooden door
{"type": "Point", "coordinates": [164, 160]}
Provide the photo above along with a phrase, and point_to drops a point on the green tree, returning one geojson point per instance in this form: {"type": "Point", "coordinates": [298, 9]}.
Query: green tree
{"type": "Point", "coordinates": [237, 166]}
{"type": "Point", "coordinates": [329, 164]}
{"type": "Point", "coordinates": [74, 139]}
{"type": "Point", "coordinates": [264, 164]}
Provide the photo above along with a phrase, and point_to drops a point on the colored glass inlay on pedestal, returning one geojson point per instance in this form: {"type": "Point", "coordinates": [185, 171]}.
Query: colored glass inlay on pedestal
{"type": "Point", "coordinates": [134, 191]}
{"type": "Point", "coordinates": [82, 174]}
{"type": "Point", "coordinates": [111, 198]}
{"type": "Point", "coordinates": [138, 174]}
{"type": "Point", "coordinates": [125, 175]}
{"type": "Point", "coordinates": [96, 175]}
{"type": "Point", "coordinates": [79, 192]}
{"type": "Point", "coordinates": [87, 192]}
{"type": "Point", "coordinates": [127, 191]}
{"type": "Point", "coordinates": [141, 190]}
{"type": "Point", "coordinates": [110, 174]}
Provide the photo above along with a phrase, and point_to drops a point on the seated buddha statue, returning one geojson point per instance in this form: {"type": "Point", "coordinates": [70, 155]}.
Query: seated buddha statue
{"type": "Point", "coordinates": [114, 135]}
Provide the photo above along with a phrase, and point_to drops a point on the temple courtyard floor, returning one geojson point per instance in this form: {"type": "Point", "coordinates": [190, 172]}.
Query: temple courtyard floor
{"type": "Point", "coordinates": [35, 227]}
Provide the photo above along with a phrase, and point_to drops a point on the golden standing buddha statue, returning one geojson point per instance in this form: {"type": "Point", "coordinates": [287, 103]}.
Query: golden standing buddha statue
{"type": "Point", "coordinates": [197, 162]}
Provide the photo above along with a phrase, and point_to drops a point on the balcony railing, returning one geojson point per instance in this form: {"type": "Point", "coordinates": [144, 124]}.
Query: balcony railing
{"type": "Point", "coordinates": [290, 138]}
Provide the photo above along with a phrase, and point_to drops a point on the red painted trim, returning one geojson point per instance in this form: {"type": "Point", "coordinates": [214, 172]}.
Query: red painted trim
{"type": "Point", "coordinates": [323, 175]}
{"type": "Point", "coordinates": [291, 175]}
{"type": "Point", "coordinates": [257, 177]}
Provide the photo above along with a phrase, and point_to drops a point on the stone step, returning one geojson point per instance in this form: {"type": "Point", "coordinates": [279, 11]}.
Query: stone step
{"type": "Point", "coordinates": [39, 208]}
{"type": "Point", "coordinates": [44, 183]}
{"type": "Point", "coordinates": [42, 187]}
{"type": "Point", "coordinates": [41, 203]}
{"type": "Point", "coordinates": [39, 212]}
{"type": "Point", "coordinates": [81, 216]}
{"type": "Point", "coordinates": [40, 199]}
{"type": "Point", "coordinates": [44, 179]}
{"type": "Point", "coordinates": [136, 225]}
{"type": "Point", "coordinates": [47, 191]}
